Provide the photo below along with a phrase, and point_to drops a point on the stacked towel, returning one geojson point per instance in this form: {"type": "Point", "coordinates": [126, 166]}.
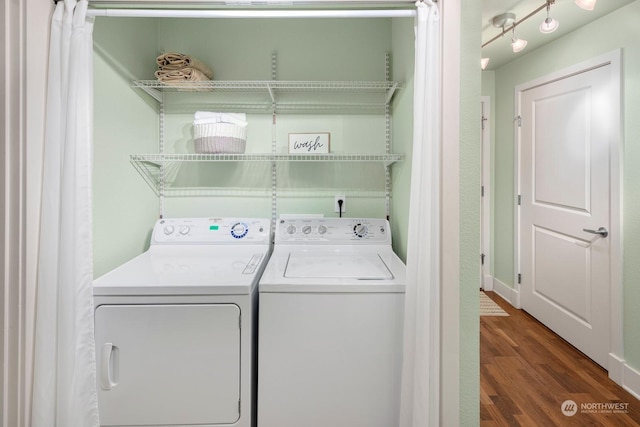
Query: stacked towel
{"type": "Point", "coordinates": [175, 68]}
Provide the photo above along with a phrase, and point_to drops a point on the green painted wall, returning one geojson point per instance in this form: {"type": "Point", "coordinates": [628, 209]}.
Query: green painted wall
{"type": "Point", "coordinates": [470, 179]}
{"type": "Point", "coordinates": [403, 40]}
{"type": "Point", "coordinates": [126, 122]}
{"type": "Point", "coordinates": [617, 30]}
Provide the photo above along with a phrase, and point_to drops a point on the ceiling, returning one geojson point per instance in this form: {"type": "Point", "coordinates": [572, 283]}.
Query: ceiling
{"type": "Point", "coordinates": [566, 12]}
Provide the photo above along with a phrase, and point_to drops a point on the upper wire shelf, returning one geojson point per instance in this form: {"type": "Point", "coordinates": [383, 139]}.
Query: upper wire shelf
{"type": "Point", "coordinates": [155, 88]}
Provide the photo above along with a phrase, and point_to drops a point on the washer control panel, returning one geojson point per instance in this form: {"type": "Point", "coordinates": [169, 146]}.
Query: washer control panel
{"type": "Point", "coordinates": [196, 231]}
{"type": "Point", "coordinates": [333, 230]}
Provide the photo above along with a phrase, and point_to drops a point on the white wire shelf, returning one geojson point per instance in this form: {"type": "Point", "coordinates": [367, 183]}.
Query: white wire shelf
{"type": "Point", "coordinates": [154, 166]}
{"type": "Point", "coordinates": [159, 159]}
{"type": "Point", "coordinates": [272, 88]}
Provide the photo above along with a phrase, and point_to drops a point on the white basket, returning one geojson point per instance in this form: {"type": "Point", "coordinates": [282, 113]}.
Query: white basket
{"type": "Point", "coordinates": [220, 138]}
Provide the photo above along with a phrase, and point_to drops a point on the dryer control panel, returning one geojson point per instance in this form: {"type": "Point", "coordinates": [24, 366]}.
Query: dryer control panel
{"type": "Point", "coordinates": [334, 231]}
{"type": "Point", "coordinates": [195, 231]}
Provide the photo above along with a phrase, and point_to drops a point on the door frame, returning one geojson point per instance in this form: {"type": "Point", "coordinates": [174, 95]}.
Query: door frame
{"type": "Point", "coordinates": [486, 216]}
{"type": "Point", "coordinates": [612, 59]}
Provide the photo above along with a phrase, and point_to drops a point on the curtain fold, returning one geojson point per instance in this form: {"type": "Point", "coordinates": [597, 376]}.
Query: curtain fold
{"type": "Point", "coordinates": [64, 375]}
{"type": "Point", "coordinates": [421, 372]}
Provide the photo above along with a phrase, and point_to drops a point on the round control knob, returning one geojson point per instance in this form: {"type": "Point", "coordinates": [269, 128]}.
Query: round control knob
{"type": "Point", "coordinates": [322, 229]}
{"type": "Point", "coordinates": [239, 230]}
{"type": "Point", "coordinates": [306, 229]}
{"type": "Point", "coordinates": [168, 230]}
{"type": "Point", "coordinates": [291, 229]}
{"type": "Point", "coordinates": [184, 230]}
{"type": "Point", "coordinates": [360, 230]}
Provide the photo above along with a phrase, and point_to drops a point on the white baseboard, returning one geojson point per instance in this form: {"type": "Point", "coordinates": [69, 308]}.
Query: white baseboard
{"type": "Point", "coordinates": [507, 293]}
{"type": "Point", "coordinates": [631, 381]}
{"type": "Point", "coordinates": [487, 283]}
{"type": "Point", "coordinates": [615, 368]}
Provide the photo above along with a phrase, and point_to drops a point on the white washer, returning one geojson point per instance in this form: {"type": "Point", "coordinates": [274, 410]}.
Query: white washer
{"type": "Point", "coordinates": [176, 326]}
{"type": "Point", "coordinates": [331, 325]}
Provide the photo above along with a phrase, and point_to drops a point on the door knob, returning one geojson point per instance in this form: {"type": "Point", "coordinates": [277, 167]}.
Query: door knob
{"type": "Point", "coordinates": [601, 231]}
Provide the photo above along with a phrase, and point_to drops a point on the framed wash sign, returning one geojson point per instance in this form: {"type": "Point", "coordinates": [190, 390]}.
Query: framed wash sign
{"type": "Point", "coordinates": [309, 143]}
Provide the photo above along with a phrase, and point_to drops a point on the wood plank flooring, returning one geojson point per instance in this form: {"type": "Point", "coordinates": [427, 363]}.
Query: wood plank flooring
{"type": "Point", "coordinates": [527, 372]}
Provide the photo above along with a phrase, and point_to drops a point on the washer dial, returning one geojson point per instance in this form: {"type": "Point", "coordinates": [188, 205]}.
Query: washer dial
{"type": "Point", "coordinates": [239, 230]}
{"type": "Point", "coordinates": [291, 229]}
{"type": "Point", "coordinates": [360, 230]}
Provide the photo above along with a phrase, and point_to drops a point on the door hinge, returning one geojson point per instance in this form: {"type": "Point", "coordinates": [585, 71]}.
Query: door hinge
{"type": "Point", "coordinates": [482, 259]}
{"type": "Point", "coordinates": [519, 278]}
{"type": "Point", "coordinates": [482, 191]}
{"type": "Point", "coordinates": [519, 120]}
{"type": "Point", "coordinates": [519, 199]}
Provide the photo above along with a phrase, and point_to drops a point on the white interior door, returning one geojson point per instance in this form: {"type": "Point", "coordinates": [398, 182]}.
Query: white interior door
{"type": "Point", "coordinates": [565, 185]}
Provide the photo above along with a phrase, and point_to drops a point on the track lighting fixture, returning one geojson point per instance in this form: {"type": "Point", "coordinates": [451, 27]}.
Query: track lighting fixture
{"type": "Point", "coordinates": [586, 4]}
{"type": "Point", "coordinates": [517, 44]}
{"type": "Point", "coordinates": [507, 21]}
{"type": "Point", "coordinates": [549, 25]}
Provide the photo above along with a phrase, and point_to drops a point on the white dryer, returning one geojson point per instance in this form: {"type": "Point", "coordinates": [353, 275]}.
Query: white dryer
{"type": "Point", "coordinates": [331, 325]}
{"type": "Point", "coordinates": [176, 326]}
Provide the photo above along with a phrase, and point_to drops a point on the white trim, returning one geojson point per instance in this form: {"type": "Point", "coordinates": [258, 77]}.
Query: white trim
{"type": "Point", "coordinates": [204, 13]}
{"type": "Point", "coordinates": [487, 282]}
{"type": "Point", "coordinates": [616, 368]}
{"type": "Point", "coordinates": [612, 59]}
{"type": "Point", "coordinates": [12, 404]}
{"type": "Point", "coordinates": [631, 380]}
{"type": "Point", "coordinates": [449, 401]}
{"type": "Point", "coordinates": [507, 293]}
{"type": "Point", "coordinates": [485, 227]}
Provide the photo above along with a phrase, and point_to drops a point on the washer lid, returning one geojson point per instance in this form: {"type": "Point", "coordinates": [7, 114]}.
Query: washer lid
{"type": "Point", "coordinates": [320, 264]}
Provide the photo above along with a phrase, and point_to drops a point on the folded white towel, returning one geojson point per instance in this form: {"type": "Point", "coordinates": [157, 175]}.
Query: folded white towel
{"type": "Point", "coordinates": [176, 61]}
{"type": "Point", "coordinates": [208, 117]}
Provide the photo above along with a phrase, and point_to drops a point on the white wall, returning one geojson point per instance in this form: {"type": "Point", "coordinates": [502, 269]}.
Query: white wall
{"type": "Point", "coordinates": [24, 50]}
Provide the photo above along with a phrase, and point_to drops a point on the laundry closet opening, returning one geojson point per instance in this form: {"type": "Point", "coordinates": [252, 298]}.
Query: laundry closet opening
{"type": "Point", "coordinates": [370, 131]}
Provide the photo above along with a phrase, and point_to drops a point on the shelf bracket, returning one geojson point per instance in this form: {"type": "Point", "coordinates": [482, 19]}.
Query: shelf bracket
{"type": "Point", "coordinates": [390, 92]}
{"type": "Point", "coordinates": [154, 93]}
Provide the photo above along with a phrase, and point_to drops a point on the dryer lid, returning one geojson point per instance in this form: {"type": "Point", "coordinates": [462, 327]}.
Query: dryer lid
{"type": "Point", "coordinates": [320, 264]}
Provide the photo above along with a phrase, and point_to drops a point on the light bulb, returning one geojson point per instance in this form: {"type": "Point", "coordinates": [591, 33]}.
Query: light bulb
{"type": "Point", "coordinates": [518, 44]}
{"type": "Point", "coordinates": [549, 25]}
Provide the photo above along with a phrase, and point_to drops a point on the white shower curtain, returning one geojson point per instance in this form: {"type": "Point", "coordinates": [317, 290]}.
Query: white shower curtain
{"type": "Point", "coordinates": [420, 372]}
{"type": "Point", "coordinates": [64, 386]}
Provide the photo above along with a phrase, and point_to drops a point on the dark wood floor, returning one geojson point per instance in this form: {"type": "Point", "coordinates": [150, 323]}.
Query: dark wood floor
{"type": "Point", "coordinates": [527, 372]}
